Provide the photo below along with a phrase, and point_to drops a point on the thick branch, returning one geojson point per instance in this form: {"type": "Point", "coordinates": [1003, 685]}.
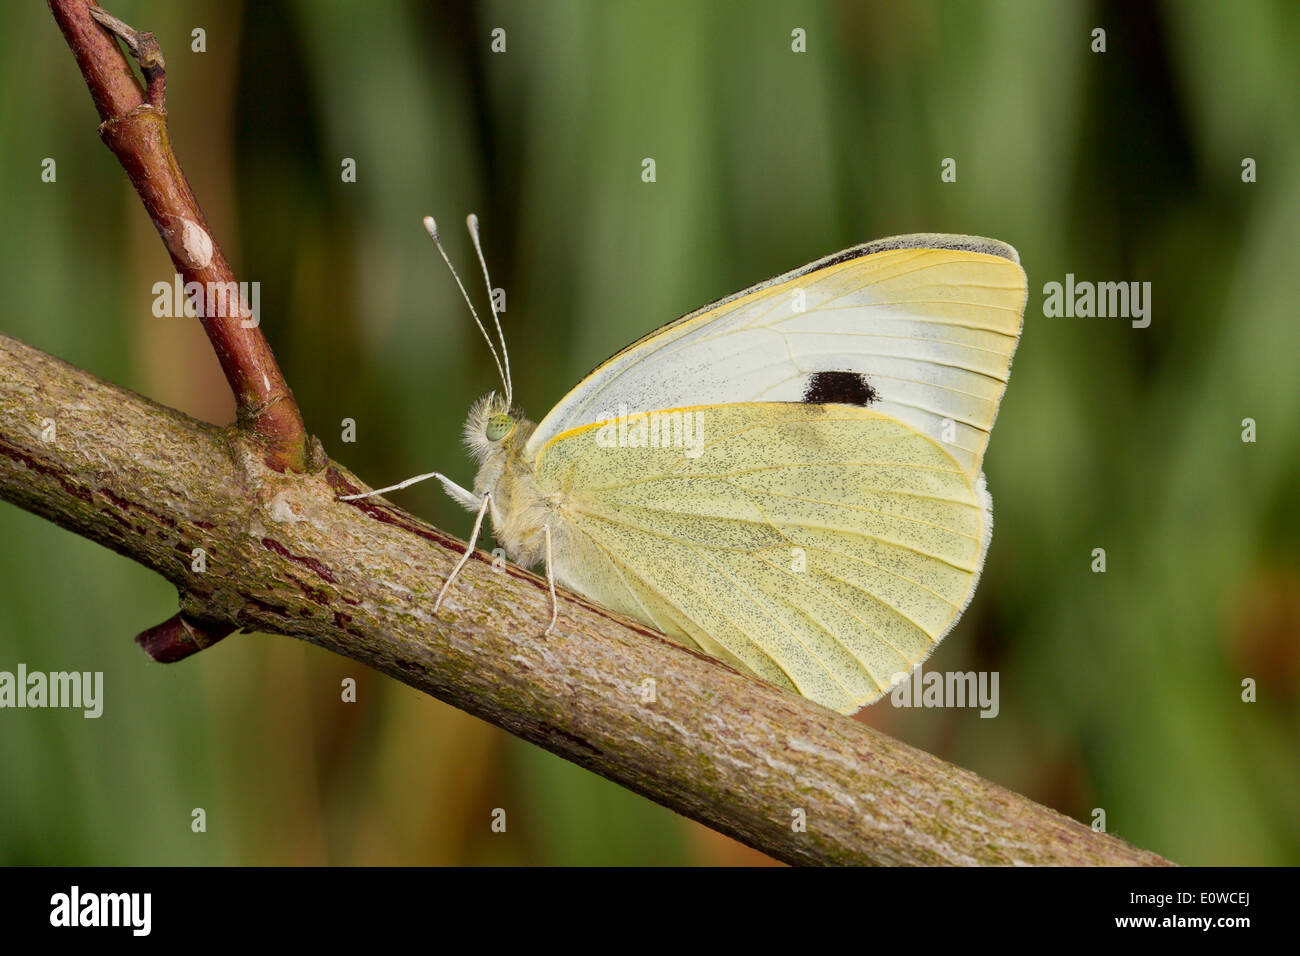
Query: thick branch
{"type": "Point", "coordinates": [359, 578]}
{"type": "Point", "coordinates": [136, 131]}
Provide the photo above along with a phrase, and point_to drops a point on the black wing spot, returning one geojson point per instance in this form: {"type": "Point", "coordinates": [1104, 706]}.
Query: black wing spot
{"type": "Point", "coordinates": [839, 388]}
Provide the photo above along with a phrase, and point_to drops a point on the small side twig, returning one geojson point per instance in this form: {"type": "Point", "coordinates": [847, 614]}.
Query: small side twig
{"type": "Point", "coordinates": [178, 637]}
{"type": "Point", "coordinates": [134, 127]}
{"type": "Point", "coordinates": [144, 47]}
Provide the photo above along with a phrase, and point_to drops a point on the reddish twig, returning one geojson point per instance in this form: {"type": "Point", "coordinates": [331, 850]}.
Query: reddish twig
{"type": "Point", "coordinates": [178, 637]}
{"type": "Point", "coordinates": [135, 128]}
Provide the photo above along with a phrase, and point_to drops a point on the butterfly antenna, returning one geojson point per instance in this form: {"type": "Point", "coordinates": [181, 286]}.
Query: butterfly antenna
{"type": "Point", "coordinates": [472, 222]}
{"type": "Point", "coordinates": [431, 228]}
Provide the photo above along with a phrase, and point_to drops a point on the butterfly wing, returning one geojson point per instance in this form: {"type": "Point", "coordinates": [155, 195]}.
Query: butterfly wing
{"type": "Point", "coordinates": [931, 321]}
{"type": "Point", "coordinates": [826, 548]}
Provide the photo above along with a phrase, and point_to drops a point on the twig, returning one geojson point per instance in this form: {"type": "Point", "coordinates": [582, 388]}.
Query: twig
{"type": "Point", "coordinates": [178, 637]}
{"type": "Point", "coordinates": [359, 578]}
{"type": "Point", "coordinates": [135, 129]}
{"type": "Point", "coordinates": [146, 51]}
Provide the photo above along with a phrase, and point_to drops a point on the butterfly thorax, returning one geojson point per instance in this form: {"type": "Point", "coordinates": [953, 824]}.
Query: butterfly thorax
{"type": "Point", "coordinates": [519, 508]}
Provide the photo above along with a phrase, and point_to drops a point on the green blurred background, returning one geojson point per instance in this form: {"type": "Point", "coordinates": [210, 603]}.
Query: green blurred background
{"type": "Point", "coordinates": [1119, 690]}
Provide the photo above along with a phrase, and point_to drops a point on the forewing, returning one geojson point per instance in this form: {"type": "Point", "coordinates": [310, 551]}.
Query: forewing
{"type": "Point", "coordinates": [930, 321]}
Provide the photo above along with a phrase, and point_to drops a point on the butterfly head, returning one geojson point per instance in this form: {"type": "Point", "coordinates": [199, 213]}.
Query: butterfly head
{"type": "Point", "coordinates": [493, 427]}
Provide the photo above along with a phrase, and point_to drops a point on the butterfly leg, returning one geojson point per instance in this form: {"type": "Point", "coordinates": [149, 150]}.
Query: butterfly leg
{"type": "Point", "coordinates": [469, 549]}
{"type": "Point", "coordinates": [550, 580]}
{"type": "Point", "coordinates": [459, 494]}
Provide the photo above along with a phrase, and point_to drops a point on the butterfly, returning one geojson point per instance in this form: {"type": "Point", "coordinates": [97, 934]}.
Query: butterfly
{"type": "Point", "coordinates": [789, 479]}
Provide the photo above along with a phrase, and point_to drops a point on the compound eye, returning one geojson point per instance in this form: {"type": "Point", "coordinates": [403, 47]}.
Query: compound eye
{"type": "Point", "coordinates": [499, 426]}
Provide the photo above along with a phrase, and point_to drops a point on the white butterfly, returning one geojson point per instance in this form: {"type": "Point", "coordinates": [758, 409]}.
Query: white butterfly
{"type": "Point", "coordinates": [789, 479]}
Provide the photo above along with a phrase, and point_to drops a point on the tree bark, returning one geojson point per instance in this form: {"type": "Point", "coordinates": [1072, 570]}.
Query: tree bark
{"type": "Point", "coordinates": [359, 578]}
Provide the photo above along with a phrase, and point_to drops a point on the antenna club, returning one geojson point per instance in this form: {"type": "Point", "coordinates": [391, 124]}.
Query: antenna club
{"type": "Point", "coordinates": [503, 367]}
{"type": "Point", "coordinates": [471, 221]}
